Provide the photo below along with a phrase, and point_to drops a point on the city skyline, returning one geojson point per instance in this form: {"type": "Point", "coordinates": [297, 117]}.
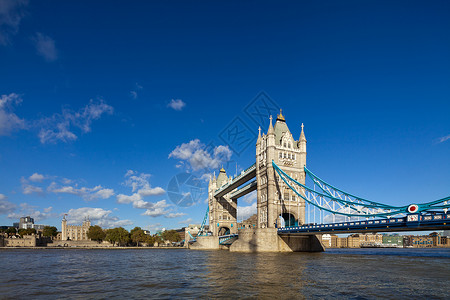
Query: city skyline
{"type": "Point", "coordinates": [102, 108]}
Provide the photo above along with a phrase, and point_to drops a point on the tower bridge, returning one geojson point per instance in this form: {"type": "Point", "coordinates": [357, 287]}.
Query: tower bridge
{"type": "Point", "coordinates": [289, 212]}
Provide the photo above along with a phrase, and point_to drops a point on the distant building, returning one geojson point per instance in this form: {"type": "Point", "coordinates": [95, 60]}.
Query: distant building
{"type": "Point", "coordinates": [352, 241]}
{"type": "Point", "coordinates": [27, 223]}
{"type": "Point", "coordinates": [445, 241]}
{"type": "Point", "coordinates": [75, 232]}
{"type": "Point", "coordinates": [393, 240]}
{"type": "Point", "coordinates": [422, 241]}
{"type": "Point", "coordinates": [250, 222]}
{"type": "Point", "coordinates": [326, 240]}
{"type": "Point", "coordinates": [436, 238]}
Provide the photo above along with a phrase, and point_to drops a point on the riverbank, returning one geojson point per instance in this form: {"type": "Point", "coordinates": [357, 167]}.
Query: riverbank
{"type": "Point", "coordinates": [89, 248]}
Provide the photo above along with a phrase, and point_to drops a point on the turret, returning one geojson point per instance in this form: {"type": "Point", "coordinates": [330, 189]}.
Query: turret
{"type": "Point", "coordinates": [64, 229]}
{"type": "Point", "coordinates": [302, 141]}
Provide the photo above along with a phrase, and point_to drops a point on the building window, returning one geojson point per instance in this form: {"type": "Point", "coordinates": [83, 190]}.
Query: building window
{"type": "Point", "coordinates": [281, 155]}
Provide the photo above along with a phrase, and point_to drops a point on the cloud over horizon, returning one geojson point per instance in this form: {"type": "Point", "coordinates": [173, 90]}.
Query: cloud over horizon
{"type": "Point", "coordinates": [98, 216]}
{"type": "Point", "coordinates": [177, 104]}
{"type": "Point", "coordinates": [45, 47]}
{"type": "Point", "coordinates": [11, 14]}
{"type": "Point", "coordinates": [60, 126]}
{"type": "Point", "coordinates": [9, 121]}
{"type": "Point", "coordinates": [194, 155]}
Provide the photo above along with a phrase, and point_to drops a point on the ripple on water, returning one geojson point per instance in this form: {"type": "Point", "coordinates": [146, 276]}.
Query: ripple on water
{"type": "Point", "coordinates": [157, 273]}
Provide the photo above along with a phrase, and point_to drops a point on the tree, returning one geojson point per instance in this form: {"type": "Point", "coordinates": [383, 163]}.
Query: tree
{"type": "Point", "coordinates": [118, 235]}
{"type": "Point", "coordinates": [138, 235]}
{"type": "Point", "coordinates": [111, 236]}
{"type": "Point", "coordinates": [27, 231]}
{"type": "Point", "coordinates": [171, 235]}
{"type": "Point", "coordinates": [50, 231]}
{"type": "Point", "coordinates": [11, 231]}
{"type": "Point", "coordinates": [150, 240]}
{"type": "Point", "coordinates": [96, 233]}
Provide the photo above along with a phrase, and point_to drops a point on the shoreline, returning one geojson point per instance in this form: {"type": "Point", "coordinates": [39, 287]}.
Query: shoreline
{"type": "Point", "coordinates": [90, 248]}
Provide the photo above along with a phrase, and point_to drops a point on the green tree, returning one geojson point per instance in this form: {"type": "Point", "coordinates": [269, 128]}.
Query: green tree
{"type": "Point", "coordinates": [11, 231]}
{"type": "Point", "coordinates": [171, 235]}
{"type": "Point", "coordinates": [118, 235]}
{"type": "Point", "coordinates": [138, 235]}
{"type": "Point", "coordinates": [96, 233]}
{"type": "Point", "coordinates": [111, 236]}
{"type": "Point", "coordinates": [27, 231]}
{"type": "Point", "coordinates": [50, 231]}
{"type": "Point", "coordinates": [157, 239]}
{"type": "Point", "coordinates": [150, 240]}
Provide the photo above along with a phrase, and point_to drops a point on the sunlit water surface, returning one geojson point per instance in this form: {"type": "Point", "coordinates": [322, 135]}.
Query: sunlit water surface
{"type": "Point", "coordinates": [159, 273]}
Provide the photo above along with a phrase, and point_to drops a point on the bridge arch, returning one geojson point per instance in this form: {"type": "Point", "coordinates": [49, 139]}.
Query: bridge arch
{"type": "Point", "coordinates": [223, 230]}
{"type": "Point", "coordinates": [287, 219]}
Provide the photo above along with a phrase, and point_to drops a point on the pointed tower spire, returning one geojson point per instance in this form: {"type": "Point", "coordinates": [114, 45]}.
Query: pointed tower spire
{"type": "Point", "coordinates": [302, 134]}
{"type": "Point", "coordinates": [270, 131]}
{"type": "Point", "coordinates": [259, 133]}
{"type": "Point", "coordinates": [280, 117]}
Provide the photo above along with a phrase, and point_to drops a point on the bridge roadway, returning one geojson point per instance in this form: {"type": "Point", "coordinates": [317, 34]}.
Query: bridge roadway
{"type": "Point", "coordinates": [412, 222]}
{"type": "Point", "coordinates": [239, 180]}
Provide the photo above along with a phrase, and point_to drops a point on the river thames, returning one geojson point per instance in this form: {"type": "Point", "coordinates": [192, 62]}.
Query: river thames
{"type": "Point", "coordinates": [180, 273]}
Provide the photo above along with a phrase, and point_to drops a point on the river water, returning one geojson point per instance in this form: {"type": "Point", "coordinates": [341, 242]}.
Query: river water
{"type": "Point", "coordinates": [180, 273]}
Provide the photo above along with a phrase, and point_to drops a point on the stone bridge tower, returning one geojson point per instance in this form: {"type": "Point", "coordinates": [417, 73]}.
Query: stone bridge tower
{"type": "Point", "coordinates": [222, 210]}
{"type": "Point", "coordinates": [276, 203]}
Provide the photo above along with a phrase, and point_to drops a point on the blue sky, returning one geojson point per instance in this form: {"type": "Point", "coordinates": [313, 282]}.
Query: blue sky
{"type": "Point", "coordinates": [104, 103]}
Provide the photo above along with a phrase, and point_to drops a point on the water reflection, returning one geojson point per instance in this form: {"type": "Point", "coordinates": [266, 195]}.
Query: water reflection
{"type": "Point", "coordinates": [153, 273]}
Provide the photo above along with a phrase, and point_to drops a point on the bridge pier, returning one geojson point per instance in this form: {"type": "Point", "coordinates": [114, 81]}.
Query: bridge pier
{"type": "Point", "coordinates": [267, 240]}
{"type": "Point", "coordinates": [206, 243]}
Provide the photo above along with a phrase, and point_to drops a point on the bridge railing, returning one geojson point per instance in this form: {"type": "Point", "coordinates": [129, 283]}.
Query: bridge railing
{"type": "Point", "coordinates": [243, 173]}
{"type": "Point", "coordinates": [412, 221]}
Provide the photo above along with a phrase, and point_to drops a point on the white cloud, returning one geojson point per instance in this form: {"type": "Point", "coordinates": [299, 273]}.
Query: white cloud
{"type": "Point", "coordinates": [186, 222]}
{"type": "Point", "coordinates": [6, 207]}
{"type": "Point", "coordinates": [88, 194]}
{"type": "Point", "coordinates": [29, 189]}
{"type": "Point", "coordinates": [36, 177]}
{"type": "Point", "coordinates": [250, 198]}
{"type": "Point", "coordinates": [156, 209]}
{"type": "Point", "coordinates": [196, 156]}
{"type": "Point", "coordinates": [60, 127]}
{"type": "Point", "coordinates": [245, 212]}
{"type": "Point", "coordinates": [153, 227]}
{"type": "Point", "coordinates": [32, 211]}
{"type": "Point", "coordinates": [45, 47]}
{"type": "Point", "coordinates": [444, 138]}
{"type": "Point", "coordinates": [9, 121]}
{"type": "Point", "coordinates": [134, 92]}
{"type": "Point", "coordinates": [11, 14]}
{"type": "Point", "coordinates": [97, 216]}
{"type": "Point", "coordinates": [175, 215]}
{"type": "Point", "coordinates": [177, 104]}
{"type": "Point", "coordinates": [139, 182]}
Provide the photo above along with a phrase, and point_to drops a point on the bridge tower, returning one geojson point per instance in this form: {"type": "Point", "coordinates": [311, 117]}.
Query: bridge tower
{"type": "Point", "coordinates": [276, 203]}
{"type": "Point", "coordinates": [222, 209]}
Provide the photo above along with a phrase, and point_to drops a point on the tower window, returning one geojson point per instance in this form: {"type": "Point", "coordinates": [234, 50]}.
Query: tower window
{"type": "Point", "coordinates": [281, 155]}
